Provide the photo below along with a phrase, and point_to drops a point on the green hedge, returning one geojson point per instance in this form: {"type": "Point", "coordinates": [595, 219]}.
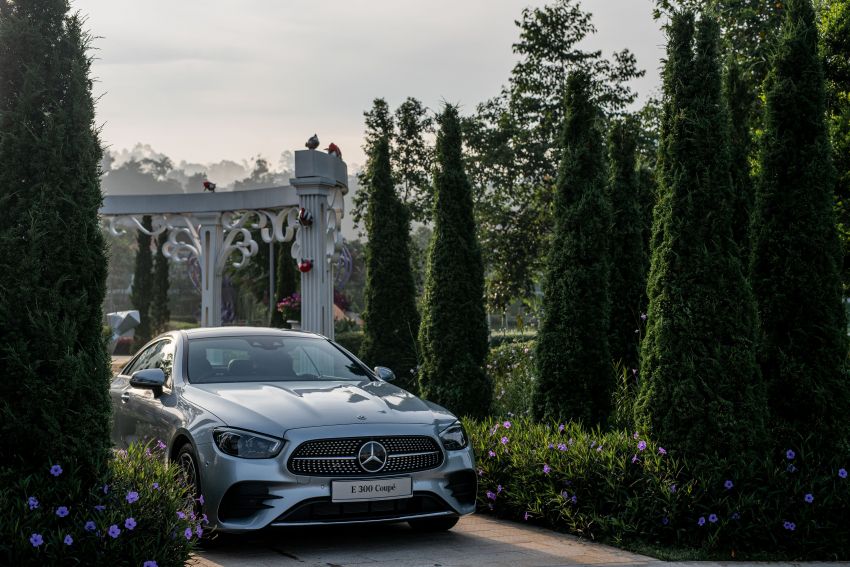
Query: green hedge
{"type": "Point", "coordinates": [501, 339]}
{"type": "Point", "coordinates": [511, 369]}
{"type": "Point", "coordinates": [141, 513]}
{"type": "Point", "coordinates": [350, 340]}
{"type": "Point", "coordinates": [623, 488]}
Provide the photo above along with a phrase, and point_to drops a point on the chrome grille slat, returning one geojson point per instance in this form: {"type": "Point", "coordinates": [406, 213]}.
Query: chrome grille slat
{"type": "Point", "coordinates": [338, 457]}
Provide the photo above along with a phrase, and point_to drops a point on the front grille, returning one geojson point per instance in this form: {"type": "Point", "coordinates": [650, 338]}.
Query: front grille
{"type": "Point", "coordinates": [338, 457]}
{"type": "Point", "coordinates": [323, 510]}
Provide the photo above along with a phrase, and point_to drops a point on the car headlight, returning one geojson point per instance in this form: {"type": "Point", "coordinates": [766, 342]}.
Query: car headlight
{"type": "Point", "coordinates": [246, 445]}
{"type": "Point", "coordinates": [453, 437]}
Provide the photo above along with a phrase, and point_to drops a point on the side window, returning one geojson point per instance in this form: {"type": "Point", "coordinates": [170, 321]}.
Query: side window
{"type": "Point", "coordinates": [158, 355]}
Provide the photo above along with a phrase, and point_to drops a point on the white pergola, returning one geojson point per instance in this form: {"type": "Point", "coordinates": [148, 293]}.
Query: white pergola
{"type": "Point", "coordinates": [215, 228]}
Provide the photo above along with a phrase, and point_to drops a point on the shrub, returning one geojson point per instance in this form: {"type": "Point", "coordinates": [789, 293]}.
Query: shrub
{"type": "Point", "coordinates": [140, 513]}
{"type": "Point", "coordinates": [497, 340]}
{"type": "Point", "coordinates": [626, 489]}
{"type": "Point", "coordinates": [350, 340]}
{"type": "Point", "coordinates": [511, 369]}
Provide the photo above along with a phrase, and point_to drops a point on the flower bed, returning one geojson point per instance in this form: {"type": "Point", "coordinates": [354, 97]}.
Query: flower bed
{"type": "Point", "coordinates": [141, 515]}
{"type": "Point", "coordinates": [627, 490]}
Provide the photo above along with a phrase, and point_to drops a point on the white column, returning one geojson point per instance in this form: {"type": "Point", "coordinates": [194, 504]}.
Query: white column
{"type": "Point", "coordinates": [211, 237]}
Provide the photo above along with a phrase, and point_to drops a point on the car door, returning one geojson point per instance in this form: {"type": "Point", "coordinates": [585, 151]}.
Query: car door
{"type": "Point", "coordinates": [140, 412]}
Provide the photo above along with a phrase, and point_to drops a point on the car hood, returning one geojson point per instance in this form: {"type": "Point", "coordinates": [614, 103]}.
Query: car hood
{"type": "Point", "coordinates": [275, 407]}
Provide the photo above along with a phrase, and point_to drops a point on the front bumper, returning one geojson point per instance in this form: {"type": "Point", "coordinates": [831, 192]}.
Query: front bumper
{"type": "Point", "coordinates": [249, 494]}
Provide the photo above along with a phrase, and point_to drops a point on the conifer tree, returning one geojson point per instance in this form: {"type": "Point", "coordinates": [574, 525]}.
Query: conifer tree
{"type": "Point", "coordinates": [54, 406]}
{"type": "Point", "coordinates": [700, 392]}
{"type": "Point", "coordinates": [141, 292]}
{"type": "Point", "coordinates": [573, 360]}
{"type": "Point", "coordinates": [160, 314]}
{"type": "Point", "coordinates": [286, 281]}
{"type": "Point", "coordinates": [453, 337]}
{"type": "Point", "coordinates": [628, 255]}
{"type": "Point", "coordinates": [796, 252]}
{"type": "Point", "coordinates": [390, 317]}
{"type": "Point", "coordinates": [739, 97]}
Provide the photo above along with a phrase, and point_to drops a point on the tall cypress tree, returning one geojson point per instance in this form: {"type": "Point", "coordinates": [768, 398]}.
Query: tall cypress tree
{"type": "Point", "coordinates": [739, 98]}
{"type": "Point", "coordinates": [286, 281]}
{"type": "Point", "coordinates": [141, 293]}
{"type": "Point", "coordinates": [390, 318]}
{"type": "Point", "coordinates": [627, 287]}
{"type": "Point", "coordinates": [573, 361]}
{"type": "Point", "coordinates": [54, 406]}
{"type": "Point", "coordinates": [700, 391]}
{"type": "Point", "coordinates": [160, 314]}
{"type": "Point", "coordinates": [453, 335]}
{"type": "Point", "coordinates": [796, 252]}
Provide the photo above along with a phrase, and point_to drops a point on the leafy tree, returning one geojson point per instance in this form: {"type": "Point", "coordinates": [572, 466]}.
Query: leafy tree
{"type": "Point", "coordinates": [286, 281]}
{"type": "Point", "coordinates": [627, 282]}
{"type": "Point", "coordinates": [796, 252]}
{"type": "Point", "coordinates": [740, 99]}
{"type": "Point", "coordinates": [573, 363]}
{"type": "Point", "coordinates": [700, 391]}
{"type": "Point", "coordinates": [159, 312]}
{"type": "Point", "coordinates": [412, 158]}
{"type": "Point", "coordinates": [142, 291]}
{"type": "Point", "coordinates": [453, 335]}
{"type": "Point", "coordinates": [390, 320]}
{"type": "Point", "coordinates": [54, 405]}
{"type": "Point", "coordinates": [834, 47]}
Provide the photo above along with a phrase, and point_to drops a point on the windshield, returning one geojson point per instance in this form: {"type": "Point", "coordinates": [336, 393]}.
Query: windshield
{"type": "Point", "coordinates": [268, 358]}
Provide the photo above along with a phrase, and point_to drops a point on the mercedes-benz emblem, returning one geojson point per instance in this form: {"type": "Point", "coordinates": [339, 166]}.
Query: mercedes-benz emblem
{"type": "Point", "coordinates": [372, 457]}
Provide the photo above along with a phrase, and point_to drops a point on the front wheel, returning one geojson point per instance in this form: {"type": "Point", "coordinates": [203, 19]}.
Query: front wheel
{"type": "Point", "coordinates": [439, 524]}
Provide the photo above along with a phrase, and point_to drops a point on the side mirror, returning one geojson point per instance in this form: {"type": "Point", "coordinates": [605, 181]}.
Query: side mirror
{"type": "Point", "coordinates": [385, 373]}
{"type": "Point", "coordinates": [153, 378]}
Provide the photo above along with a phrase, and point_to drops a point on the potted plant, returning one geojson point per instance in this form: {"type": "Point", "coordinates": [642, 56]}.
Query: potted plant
{"type": "Point", "coordinates": [290, 308]}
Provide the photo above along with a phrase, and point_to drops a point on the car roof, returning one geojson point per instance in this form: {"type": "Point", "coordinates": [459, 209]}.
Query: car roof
{"type": "Point", "coordinates": [211, 332]}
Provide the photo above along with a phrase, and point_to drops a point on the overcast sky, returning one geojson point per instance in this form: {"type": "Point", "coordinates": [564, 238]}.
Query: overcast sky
{"type": "Point", "coordinates": [206, 80]}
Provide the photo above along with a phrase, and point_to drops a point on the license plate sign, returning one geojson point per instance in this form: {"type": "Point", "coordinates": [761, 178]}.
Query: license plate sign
{"type": "Point", "coordinates": [377, 489]}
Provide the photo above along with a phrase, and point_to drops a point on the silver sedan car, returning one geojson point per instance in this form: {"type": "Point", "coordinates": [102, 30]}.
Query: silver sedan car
{"type": "Point", "coordinates": [286, 428]}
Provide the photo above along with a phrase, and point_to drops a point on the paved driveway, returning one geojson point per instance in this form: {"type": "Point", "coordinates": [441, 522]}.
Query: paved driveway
{"type": "Point", "coordinates": [476, 540]}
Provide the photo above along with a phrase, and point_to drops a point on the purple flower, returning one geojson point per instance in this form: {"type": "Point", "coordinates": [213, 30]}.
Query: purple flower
{"type": "Point", "coordinates": [130, 523]}
{"type": "Point", "coordinates": [736, 516]}
{"type": "Point", "coordinates": [55, 470]}
{"type": "Point", "coordinates": [155, 486]}
{"type": "Point", "coordinates": [561, 428]}
{"type": "Point", "coordinates": [132, 496]}
{"type": "Point", "coordinates": [592, 444]}
{"type": "Point", "coordinates": [643, 316]}
{"type": "Point", "coordinates": [789, 454]}
{"type": "Point", "coordinates": [499, 489]}
{"type": "Point", "coordinates": [665, 520]}
{"type": "Point", "coordinates": [491, 495]}
{"type": "Point", "coordinates": [36, 540]}
{"type": "Point", "coordinates": [148, 452]}
{"type": "Point", "coordinates": [150, 564]}
{"type": "Point", "coordinates": [188, 533]}
{"type": "Point", "coordinates": [662, 451]}
{"type": "Point", "coordinates": [507, 425]}
{"type": "Point", "coordinates": [562, 447]}
{"type": "Point", "coordinates": [159, 444]}
{"type": "Point", "coordinates": [100, 507]}
{"type": "Point", "coordinates": [641, 445]}
{"type": "Point", "coordinates": [106, 489]}
{"type": "Point", "coordinates": [635, 435]}
{"type": "Point", "coordinates": [791, 468]}
{"type": "Point", "coordinates": [491, 453]}
{"type": "Point", "coordinates": [728, 484]}
{"type": "Point", "coordinates": [204, 519]}
{"type": "Point", "coordinates": [673, 488]}
{"type": "Point", "coordinates": [504, 440]}
{"type": "Point", "coordinates": [546, 469]}
{"type": "Point", "coordinates": [551, 445]}
{"type": "Point", "coordinates": [181, 515]}
{"type": "Point", "coordinates": [574, 499]}
{"type": "Point", "coordinates": [809, 498]}
{"type": "Point", "coordinates": [842, 473]}
{"type": "Point", "coordinates": [565, 495]}
{"type": "Point", "coordinates": [480, 472]}
{"type": "Point", "coordinates": [701, 521]}
{"type": "Point", "coordinates": [68, 539]}
{"type": "Point", "coordinates": [790, 526]}
{"type": "Point", "coordinates": [33, 502]}
{"type": "Point", "coordinates": [712, 518]}
{"type": "Point", "coordinates": [90, 527]}
{"type": "Point", "coordinates": [201, 499]}
{"type": "Point", "coordinates": [635, 459]}
{"type": "Point", "coordinates": [526, 516]}
{"type": "Point", "coordinates": [599, 449]}
{"type": "Point", "coordinates": [114, 532]}
{"type": "Point", "coordinates": [62, 511]}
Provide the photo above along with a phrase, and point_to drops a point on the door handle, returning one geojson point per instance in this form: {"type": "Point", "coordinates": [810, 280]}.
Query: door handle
{"type": "Point", "coordinates": [125, 397]}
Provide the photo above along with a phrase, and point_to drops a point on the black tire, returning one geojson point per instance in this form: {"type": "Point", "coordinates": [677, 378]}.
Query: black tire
{"type": "Point", "coordinates": [439, 524]}
{"type": "Point", "coordinates": [188, 462]}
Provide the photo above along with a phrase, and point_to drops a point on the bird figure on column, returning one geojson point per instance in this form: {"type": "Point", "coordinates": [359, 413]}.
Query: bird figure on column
{"type": "Point", "coordinates": [209, 186]}
{"type": "Point", "coordinates": [333, 149]}
{"type": "Point", "coordinates": [312, 142]}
